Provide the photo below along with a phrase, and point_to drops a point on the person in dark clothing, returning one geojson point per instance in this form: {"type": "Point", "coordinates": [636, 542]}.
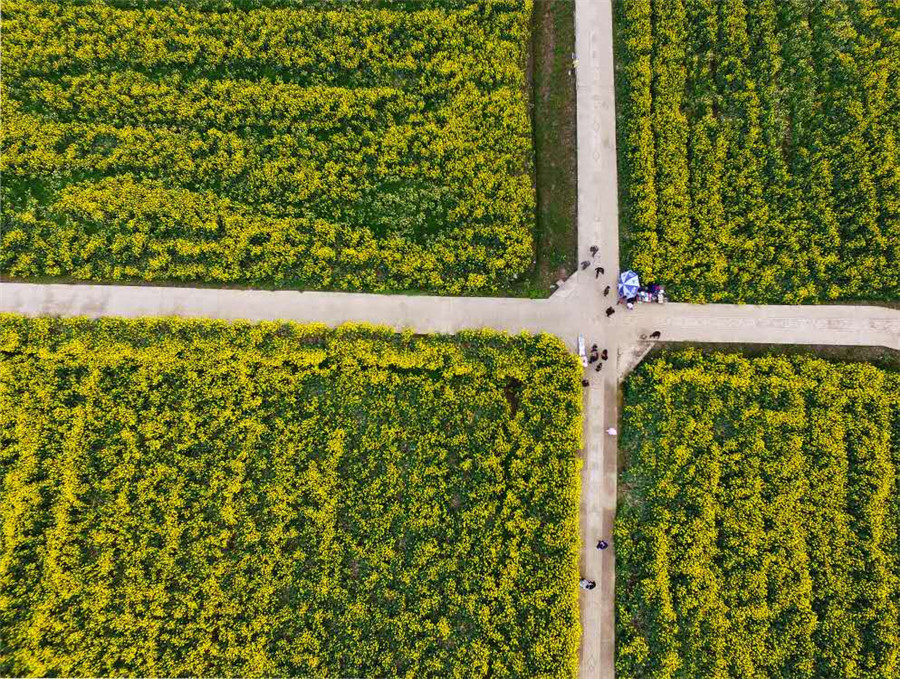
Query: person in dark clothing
{"type": "Point", "coordinates": [587, 584]}
{"type": "Point", "coordinates": [593, 357]}
{"type": "Point", "coordinates": [610, 311]}
{"type": "Point", "coordinates": [585, 264]}
{"type": "Point", "coordinates": [606, 291]}
{"type": "Point", "coordinates": [655, 334]}
{"type": "Point", "coordinates": [599, 270]}
{"type": "Point", "coordinates": [599, 366]}
{"type": "Point", "coordinates": [585, 383]}
{"type": "Point", "coordinates": [594, 250]}
{"type": "Point", "coordinates": [603, 544]}
{"type": "Point", "coordinates": [594, 347]}
{"type": "Point", "coordinates": [604, 354]}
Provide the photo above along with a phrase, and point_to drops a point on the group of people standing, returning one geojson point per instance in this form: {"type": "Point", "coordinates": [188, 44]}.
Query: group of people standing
{"type": "Point", "coordinates": [596, 356]}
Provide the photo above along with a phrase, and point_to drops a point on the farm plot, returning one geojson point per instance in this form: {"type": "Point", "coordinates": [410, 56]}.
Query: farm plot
{"type": "Point", "coordinates": [376, 146]}
{"type": "Point", "coordinates": [758, 532]}
{"type": "Point", "coordinates": [759, 148]}
{"type": "Point", "coordinates": [186, 498]}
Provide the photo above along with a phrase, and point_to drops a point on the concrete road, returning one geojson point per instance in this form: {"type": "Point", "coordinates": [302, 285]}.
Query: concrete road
{"type": "Point", "coordinates": [423, 313]}
{"type": "Point", "coordinates": [580, 313]}
{"type": "Point", "coordinates": [598, 224]}
{"type": "Point", "coordinates": [847, 325]}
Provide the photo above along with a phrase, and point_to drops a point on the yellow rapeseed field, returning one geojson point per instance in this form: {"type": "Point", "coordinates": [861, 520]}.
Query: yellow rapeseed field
{"type": "Point", "coordinates": [193, 498]}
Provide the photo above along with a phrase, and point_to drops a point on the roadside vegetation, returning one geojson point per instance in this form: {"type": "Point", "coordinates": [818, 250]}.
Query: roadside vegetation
{"type": "Point", "coordinates": [758, 528]}
{"type": "Point", "coordinates": [758, 148]}
{"type": "Point", "coordinates": [553, 97]}
{"type": "Point", "coordinates": [198, 498]}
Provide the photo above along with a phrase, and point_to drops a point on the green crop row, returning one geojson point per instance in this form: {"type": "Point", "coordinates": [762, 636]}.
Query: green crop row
{"type": "Point", "coordinates": [402, 133]}
{"type": "Point", "coordinates": [187, 498]}
{"type": "Point", "coordinates": [758, 531]}
{"type": "Point", "coordinates": [759, 148]}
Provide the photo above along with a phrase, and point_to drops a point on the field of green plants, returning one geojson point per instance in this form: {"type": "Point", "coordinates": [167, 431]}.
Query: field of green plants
{"type": "Point", "coordinates": [758, 530]}
{"type": "Point", "coordinates": [277, 143]}
{"type": "Point", "coordinates": [759, 148]}
{"type": "Point", "coordinates": [185, 498]}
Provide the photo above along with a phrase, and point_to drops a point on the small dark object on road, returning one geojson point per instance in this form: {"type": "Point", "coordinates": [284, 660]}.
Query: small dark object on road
{"type": "Point", "coordinates": [585, 383]}
{"type": "Point", "coordinates": [610, 311]}
{"type": "Point", "coordinates": [603, 544]}
{"type": "Point", "coordinates": [604, 354]}
{"type": "Point", "coordinates": [587, 584]}
{"type": "Point", "coordinates": [585, 264]}
{"type": "Point", "coordinates": [606, 291]}
{"type": "Point", "coordinates": [655, 334]}
{"type": "Point", "coordinates": [594, 250]}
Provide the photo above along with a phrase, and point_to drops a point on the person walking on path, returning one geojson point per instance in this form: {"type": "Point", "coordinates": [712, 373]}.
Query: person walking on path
{"type": "Point", "coordinates": [612, 430]}
{"type": "Point", "coordinates": [610, 311]}
{"type": "Point", "coordinates": [603, 544]}
{"type": "Point", "coordinates": [606, 291]}
{"type": "Point", "coordinates": [587, 584]}
{"type": "Point", "coordinates": [585, 264]}
{"type": "Point", "coordinates": [595, 354]}
{"type": "Point", "coordinates": [585, 383]}
{"type": "Point", "coordinates": [655, 334]}
{"type": "Point", "coordinates": [594, 250]}
{"type": "Point", "coordinates": [598, 270]}
{"type": "Point", "coordinates": [604, 354]}
{"type": "Point", "coordinates": [599, 366]}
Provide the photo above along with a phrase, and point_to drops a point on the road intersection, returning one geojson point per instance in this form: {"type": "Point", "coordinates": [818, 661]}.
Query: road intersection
{"type": "Point", "coordinates": [577, 308]}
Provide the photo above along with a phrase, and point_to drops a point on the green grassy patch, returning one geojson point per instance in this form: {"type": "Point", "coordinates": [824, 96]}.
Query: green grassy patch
{"type": "Point", "coordinates": [554, 106]}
